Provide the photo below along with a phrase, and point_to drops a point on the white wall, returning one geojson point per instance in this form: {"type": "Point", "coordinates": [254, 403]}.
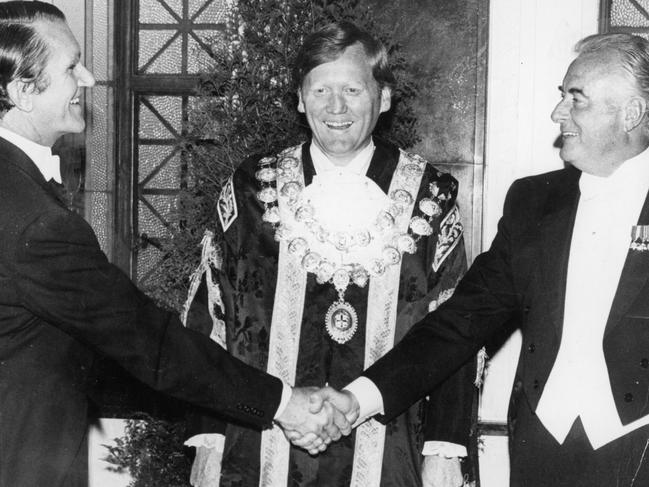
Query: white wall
{"type": "Point", "coordinates": [530, 48]}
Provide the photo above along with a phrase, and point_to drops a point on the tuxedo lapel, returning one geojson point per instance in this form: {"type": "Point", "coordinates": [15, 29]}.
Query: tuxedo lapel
{"type": "Point", "coordinates": [555, 233]}
{"type": "Point", "coordinates": [633, 278]}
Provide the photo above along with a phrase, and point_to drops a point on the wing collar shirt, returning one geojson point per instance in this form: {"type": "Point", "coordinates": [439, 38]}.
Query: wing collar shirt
{"type": "Point", "coordinates": [578, 385]}
{"type": "Point", "coordinates": [48, 164]}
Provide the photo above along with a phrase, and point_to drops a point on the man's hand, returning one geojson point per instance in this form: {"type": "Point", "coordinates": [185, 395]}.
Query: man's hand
{"type": "Point", "coordinates": [439, 471]}
{"type": "Point", "coordinates": [344, 401]}
{"type": "Point", "coordinates": [311, 423]}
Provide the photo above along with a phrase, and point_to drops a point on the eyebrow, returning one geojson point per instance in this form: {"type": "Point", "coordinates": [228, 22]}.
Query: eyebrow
{"type": "Point", "coordinates": [572, 91]}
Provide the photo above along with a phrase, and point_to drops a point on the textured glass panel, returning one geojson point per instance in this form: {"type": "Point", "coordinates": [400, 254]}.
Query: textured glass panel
{"type": "Point", "coordinates": [195, 6]}
{"type": "Point", "coordinates": [176, 6]}
{"type": "Point", "coordinates": [149, 158]}
{"type": "Point", "coordinates": [152, 12]}
{"type": "Point", "coordinates": [99, 172]}
{"type": "Point", "coordinates": [169, 108]}
{"type": "Point", "coordinates": [101, 42]}
{"type": "Point", "coordinates": [624, 13]}
{"type": "Point", "coordinates": [98, 204]}
{"type": "Point", "coordinates": [170, 61]}
{"type": "Point", "coordinates": [148, 222]}
{"type": "Point", "coordinates": [168, 177]}
{"type": "Point", "coordinates": [214, 13]}
{"type": "Point", "coordinates": [198, 59]}
{"type": "Point", "coordinates": [147, 259]}
{"type": "Point", "coordinates": [151, 42]}
{"type": "Point", "coordinates": [150, 125]}
{"type": "Point", "coordinates": [159, 166]}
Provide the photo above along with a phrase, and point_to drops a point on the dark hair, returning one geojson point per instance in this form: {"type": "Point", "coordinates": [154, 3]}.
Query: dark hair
{"type": "Point", "coordinates": [632, 50]}
{"type": "Point", "coordinates": [23, 53]}
{"type": "Point", "coordinates": [328, 44]}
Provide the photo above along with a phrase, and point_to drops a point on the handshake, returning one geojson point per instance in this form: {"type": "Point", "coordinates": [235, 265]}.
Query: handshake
{"type": "Point", "coordinates": [315, 417]}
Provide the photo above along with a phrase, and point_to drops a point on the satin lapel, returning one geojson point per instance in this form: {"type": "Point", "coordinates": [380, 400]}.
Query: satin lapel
{"type": "Point", "coordinates": [555, 234]}
{"type": "Point", "coordinates": [633, 278]}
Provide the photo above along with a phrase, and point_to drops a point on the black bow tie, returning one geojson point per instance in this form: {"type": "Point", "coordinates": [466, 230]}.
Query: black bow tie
{"type": "Point", "coordinates": [58, 190]}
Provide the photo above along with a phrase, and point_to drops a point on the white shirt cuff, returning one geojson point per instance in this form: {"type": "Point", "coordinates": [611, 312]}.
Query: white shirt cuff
{"type": "Point", "coordinates": [286, 397]}
{"type": "Point", "coordinates": [208, 440]}
{"type": "Point", "coordinates": [368, 396]}
{"type": "Point", "coordinates": [444, 449]}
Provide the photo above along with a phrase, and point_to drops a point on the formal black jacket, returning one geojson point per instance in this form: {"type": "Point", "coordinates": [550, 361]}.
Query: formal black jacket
{"type": "Point", "coordinates": [523, 277]}
{"type": "Point", "coordinates": [61, 302]}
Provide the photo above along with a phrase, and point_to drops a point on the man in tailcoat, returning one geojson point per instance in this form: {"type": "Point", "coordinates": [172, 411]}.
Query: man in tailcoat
{"type": "Point", "coordinates": [62, 302]}
{"type": "Point", "coordinates": [570, 264]}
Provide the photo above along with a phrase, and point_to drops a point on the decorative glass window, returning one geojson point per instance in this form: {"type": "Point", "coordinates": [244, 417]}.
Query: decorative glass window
{"type": "Point", "coordinates": [625, 16]}
{"type": "Point", "coordinates": [146, 56]}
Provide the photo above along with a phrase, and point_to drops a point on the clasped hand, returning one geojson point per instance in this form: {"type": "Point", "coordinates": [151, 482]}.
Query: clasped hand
{"type": "Point", "coordinates": [315, 417]}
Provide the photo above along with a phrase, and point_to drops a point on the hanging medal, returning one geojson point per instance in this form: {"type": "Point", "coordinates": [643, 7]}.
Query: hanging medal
{"type": "Point", "coordinates": [341, 320]}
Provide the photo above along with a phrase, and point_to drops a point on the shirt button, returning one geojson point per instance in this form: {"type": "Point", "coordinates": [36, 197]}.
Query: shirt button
{"type": "Point", "coordinates": [531, 347]}
{"type": "Point", "coordinates": [535, 384]}
{"type": "Point", "coordinates": [644, 363]}
{"type": "Point", "coordinates": [628, 397]}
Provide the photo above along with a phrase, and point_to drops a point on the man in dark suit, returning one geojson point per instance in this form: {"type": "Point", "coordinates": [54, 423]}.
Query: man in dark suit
{"type": "Point", "coordinates": [570, 264]}
{"type": "Point", "coordinates": [62, 302]}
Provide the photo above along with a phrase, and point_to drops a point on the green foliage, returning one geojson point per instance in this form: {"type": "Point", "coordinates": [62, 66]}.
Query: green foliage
{"type": "Point", "coordinates": [152, 452]}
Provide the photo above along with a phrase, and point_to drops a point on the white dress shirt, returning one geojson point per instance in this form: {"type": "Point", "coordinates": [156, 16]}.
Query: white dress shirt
{"type": "Point", "coordinates": [41, 155]}
{"type": "Point", "coordinates": [579, 385]}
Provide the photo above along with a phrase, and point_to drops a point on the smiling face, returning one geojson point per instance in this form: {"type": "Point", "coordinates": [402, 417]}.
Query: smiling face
{"type": "Point", "coordinates": [55, 111]}
{"type": "Point", "coordinates": [593, 113]}
{"type": "Point", "coordinates": [342, 103]}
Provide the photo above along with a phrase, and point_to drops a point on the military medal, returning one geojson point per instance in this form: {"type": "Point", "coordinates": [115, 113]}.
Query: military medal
{"type": "Point", "coordinates": [341, 320]}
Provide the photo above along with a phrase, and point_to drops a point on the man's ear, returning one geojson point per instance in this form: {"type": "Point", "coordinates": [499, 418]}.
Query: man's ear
{"type": "Point", "coordinates": [20, 94]}
{"type": "Point", "coordinates": [634, 112]}
{"type": "Point", "coordinates": [300, 102]}
{"type": "Point", "coordinates": [386, 99]}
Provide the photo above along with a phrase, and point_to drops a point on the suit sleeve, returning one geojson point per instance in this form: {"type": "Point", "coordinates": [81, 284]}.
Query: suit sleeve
{"type": "Point", "coordinates": [199, 420]}
{"type": "Point", "coordinates": [231, 209]}
{"type": "Point", "coordinates": [449, 406]}
{"type": "Point", "coordinates": [483, 303]}
{"type": "Point", "coordinates": [65, 280]}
